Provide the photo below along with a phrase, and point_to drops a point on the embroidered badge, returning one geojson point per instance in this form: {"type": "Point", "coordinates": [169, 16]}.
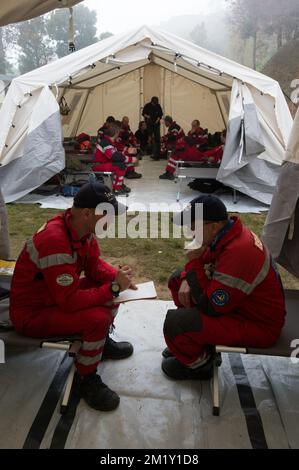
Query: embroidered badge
{"type": "Point", "coordinates": [220, 297]}
{"type": "Point", "coordinates": [257, 242]}
{"type": "Point", "coordinates": [64, 280]}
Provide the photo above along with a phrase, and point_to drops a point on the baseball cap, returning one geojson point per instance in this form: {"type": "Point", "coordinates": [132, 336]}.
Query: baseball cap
{"type": "Point", "coordinates": [213, 210]}
{"type": "Point", "coordinates": [94, 193]}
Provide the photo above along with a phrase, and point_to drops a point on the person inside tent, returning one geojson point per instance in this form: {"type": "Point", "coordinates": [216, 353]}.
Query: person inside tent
{"type": "Point", "coordinates": [108, 158]}
{"type": "Point", "coordinates": [142, 137]}
{"type": "Point", "coordinates": [152, 113]}
{"type": "Point", "coordinates": [185, 150]}
{"type": "Point", "coordinates": [50, 298]}
{"type": "Point", "coordinates": [229, 293]}
{"type": "Point", "coordinates": [198, 134]}
{"type": "Point", "coordinates": [126, 136]}
{"type": "Point", "coordinates": [102, 131]}
{"type": "Point", "coordinates": [128, 151]}
{"type": "Point", "coordinates": [173, 135]}
{"type": "Point", "coordinates": [188, 151]}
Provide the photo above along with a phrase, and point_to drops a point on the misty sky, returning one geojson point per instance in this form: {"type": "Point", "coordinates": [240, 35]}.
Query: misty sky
{"type": "Point", "coordinates": [121, 15]}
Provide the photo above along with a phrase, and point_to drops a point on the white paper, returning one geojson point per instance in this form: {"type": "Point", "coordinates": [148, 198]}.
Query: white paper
{"type": "Point", "coordinates": [145, 290]}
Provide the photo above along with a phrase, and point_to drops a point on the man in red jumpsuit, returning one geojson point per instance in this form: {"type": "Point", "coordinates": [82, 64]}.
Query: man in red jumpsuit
{"type": "Point", "coordinates": [49, 297]}
{"type": "Point", "coordinates": [173, 135]}
{"type": "Point", "coordinates": [108, 158]}
{"type": "Point", "coordinates": [229, 293]}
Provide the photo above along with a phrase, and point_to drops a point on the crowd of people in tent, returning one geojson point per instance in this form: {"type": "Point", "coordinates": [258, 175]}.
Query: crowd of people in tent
{"type": "Point", "coordinates": [117, 148]}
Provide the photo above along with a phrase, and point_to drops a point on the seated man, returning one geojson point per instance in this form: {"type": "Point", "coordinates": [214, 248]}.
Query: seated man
{"type": "Point", "coordinates": [109, 158]}
{"type": "Point", "coordinates": [174, 133]}
{"type": "Point", "coordinates": [50, 298]}
{"type": "Point", "coordinates": [142, 137]}
{"type": "Point", "coordinates": [186, 150]}
{"type": "Point", "coordinates": [102, 131]}
{"type": "Point", "coordinates": [198, 134]}
{"type": "Point", "coordinates": [126, 136]}
{"type": "Point", "coordinates": [229, 293]}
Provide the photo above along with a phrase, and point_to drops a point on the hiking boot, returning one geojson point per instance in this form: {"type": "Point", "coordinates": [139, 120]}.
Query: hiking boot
{"type": "Point", "coordinates": [133, 175]}
{"type": "Point", "coordinates": [167, 176]}
{"type": "Point", "coordinates": [117, 350]}
{"type": "Point", "coordinates": [166, 353]}
{"type": "Point", "coordinates": [96, 394]}
{"type": "Point", "coordinates": [123, 191]}
{"type": "Point", "coordinates": [178, 371]}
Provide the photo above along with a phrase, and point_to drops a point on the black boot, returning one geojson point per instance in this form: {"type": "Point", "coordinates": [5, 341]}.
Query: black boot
{"type": "Point", "coordinates": [116, 350]}
{"type": "Point", "coordinates": [166, 353]}
{"type": "Point", "coordinates": [96, 394]}
{"type": "Point", "coordinates": [167, 176]}
{"type": "Point", "coordinates": [178, 371]}
{"type": "Point", "coordinates": [133, 175]}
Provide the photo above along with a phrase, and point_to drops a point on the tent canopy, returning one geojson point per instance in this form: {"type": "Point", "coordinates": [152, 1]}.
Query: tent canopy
{"type": "Point", "coordinates": [118, 76]}
{"type": "Point", "coordinates": [13, 11]}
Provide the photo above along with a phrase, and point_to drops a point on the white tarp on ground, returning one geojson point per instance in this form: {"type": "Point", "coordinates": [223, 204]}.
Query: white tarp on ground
{"type": "Point", "coordinates": [120, 74]}
{"type": "Point", "coordinates": [154, 412]}
{"type": "Point", "coordinates": [154, 195]}
{"type": "Point", "coordinates": [13, 11]}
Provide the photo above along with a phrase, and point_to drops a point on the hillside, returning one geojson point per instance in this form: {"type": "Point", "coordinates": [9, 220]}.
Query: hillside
{"type": "Point", "coordinates": [284, 66]}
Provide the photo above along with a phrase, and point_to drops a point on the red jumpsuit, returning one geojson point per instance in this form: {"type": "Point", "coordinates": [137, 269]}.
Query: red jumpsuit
{"type": "Point", "coordinates": [49, 298]}
{"type": "Point", "coordinates": [108, 158]}
{"type": "Point", "coordinates": [174, 134]}
{"type": "Point", "coordinates": [238, 297]}
{"type": "Point", "coordinates": [185, 152]}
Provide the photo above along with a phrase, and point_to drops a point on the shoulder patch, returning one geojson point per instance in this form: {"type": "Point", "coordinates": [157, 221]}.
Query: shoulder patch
{"type": "Point", "coordinates": [220, 297]}
{"type": "Point", "coordinates": [257, 242]}
{"type": "Point", "coordinates": [64, 280]}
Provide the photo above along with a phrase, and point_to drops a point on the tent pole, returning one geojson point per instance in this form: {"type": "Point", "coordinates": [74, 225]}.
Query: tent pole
{"type": "Point", "coordinates": [221, 112]}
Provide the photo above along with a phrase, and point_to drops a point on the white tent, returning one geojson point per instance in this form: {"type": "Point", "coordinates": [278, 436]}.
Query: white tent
{"type": "Point", "coordinates": [13, 11]}
{"type": "Point", "coordinates": [117, 76]}
{"type": "Point", "coordinates": [281, 230]}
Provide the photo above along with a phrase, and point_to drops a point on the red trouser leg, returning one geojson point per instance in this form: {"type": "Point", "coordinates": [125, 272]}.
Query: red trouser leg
{"type": "Point", "coordinates": [118, 173]}
{"type": "Point", "coordinates": [130, 167]}
{"type": "Point", "coordinates": [188, 332]}
{"type": "Point", "coordinates": [171, 164]}
{"type": "Point", "coordinates": [91, 324]}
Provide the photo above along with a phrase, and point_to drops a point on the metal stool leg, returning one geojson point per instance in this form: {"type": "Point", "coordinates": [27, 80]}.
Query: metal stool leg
{"type": "Point", "coordinates": [216, 400]}
{"type": "Point", "coordinates": [67, 392]}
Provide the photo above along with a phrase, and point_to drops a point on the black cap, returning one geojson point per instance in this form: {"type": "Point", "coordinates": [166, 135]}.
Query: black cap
{"type": "Point", "coordinates": [94, 193]}
{"type": "Point", "coordinates": [213, 210]}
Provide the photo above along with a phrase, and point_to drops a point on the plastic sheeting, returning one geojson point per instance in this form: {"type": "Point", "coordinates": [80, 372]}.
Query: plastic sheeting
{"type": "Point", "coordinates": [154, 411]}
{"type": "Point", "coordinates": [154, 194]}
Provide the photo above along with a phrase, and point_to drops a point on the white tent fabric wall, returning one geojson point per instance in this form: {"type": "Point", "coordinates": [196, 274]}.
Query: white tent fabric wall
{"type": "Point", "coordinates": [118, 75]}
{"type": "Point", "coordinates": [281, 231]}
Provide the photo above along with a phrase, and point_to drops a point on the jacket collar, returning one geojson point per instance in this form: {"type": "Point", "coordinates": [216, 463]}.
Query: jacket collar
{"type": "Point", "coordinates": [231, 230]}
{"type": "Point", "coordinates": [74, 237]}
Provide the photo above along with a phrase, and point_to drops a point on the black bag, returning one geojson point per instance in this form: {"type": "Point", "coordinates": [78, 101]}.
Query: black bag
{"type": "Point", "coordinates": [205, 185]}
{"type": "Point", "coordinates": [64, 107]}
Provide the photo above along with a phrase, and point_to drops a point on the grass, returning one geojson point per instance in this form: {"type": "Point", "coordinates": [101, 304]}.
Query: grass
{"type": "Point", "coordinates": [151, 259]}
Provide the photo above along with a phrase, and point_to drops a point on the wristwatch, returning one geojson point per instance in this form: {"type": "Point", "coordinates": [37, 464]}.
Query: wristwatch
{"type": "Point", "coordinates": [115, 288]}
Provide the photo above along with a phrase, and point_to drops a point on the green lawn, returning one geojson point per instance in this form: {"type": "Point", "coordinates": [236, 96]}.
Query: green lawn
{"type": "Point", "coordinates": [150, 258]}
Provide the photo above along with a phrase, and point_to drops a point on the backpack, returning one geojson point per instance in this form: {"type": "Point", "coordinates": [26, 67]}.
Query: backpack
{"type": "Point", "coordinates": [63, 106]}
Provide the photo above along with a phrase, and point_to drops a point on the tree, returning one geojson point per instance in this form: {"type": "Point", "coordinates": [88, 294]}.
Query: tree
{"type": "Point", "coordinates": [84, 28]}
{"type": "Point", "coordinates": [35, 46]}
{"type": "Point", "coordinates": [7, 39]}
{"type": "Point", "coordinates": [199, 35]}
{"type": "Point", "coordinates": [246, 18]}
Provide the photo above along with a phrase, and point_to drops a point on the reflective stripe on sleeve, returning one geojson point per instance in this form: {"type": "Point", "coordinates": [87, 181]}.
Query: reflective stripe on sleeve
{"type": "Point", "coordinates": [237, 283]}
{"type": "Point", "coordinates": [48, 261]}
